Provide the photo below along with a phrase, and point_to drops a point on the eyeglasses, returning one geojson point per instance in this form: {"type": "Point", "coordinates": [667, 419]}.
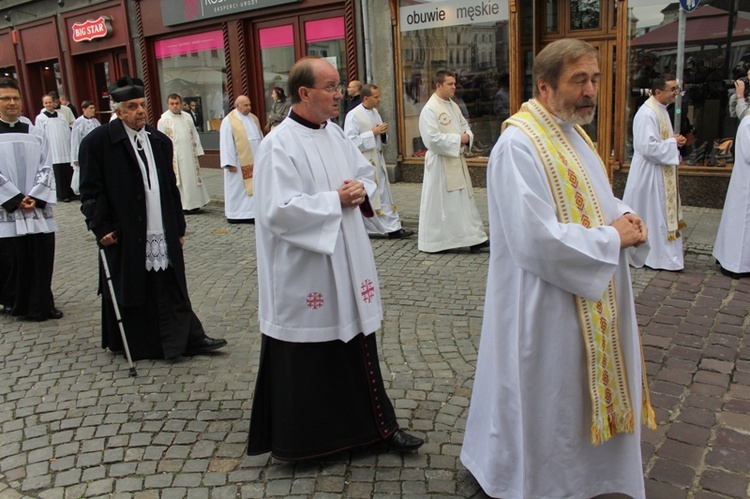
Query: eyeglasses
{"type": "Point", "coordinates": [331, 89]}
{"type": "Point", "coordinates": [671, 90]}
{"type": "Point", "coordinates": [10, 99]}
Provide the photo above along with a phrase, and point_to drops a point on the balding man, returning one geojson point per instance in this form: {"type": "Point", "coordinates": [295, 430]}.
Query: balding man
{"type": "Point", "coordinates": [319, 388]}
{"type": "Point", "coordinates": [239, 138]}
{"type": "Point", "coordinates": [354, 94]}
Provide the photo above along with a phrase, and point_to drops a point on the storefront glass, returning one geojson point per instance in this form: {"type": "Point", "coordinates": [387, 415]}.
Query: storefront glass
{"type": "Point", "coordinates": [712, 63]}
{"type": "Point", "coordinates": [277, 57]}
{"type": "Point", "coordinates": [476, 51]}
{"type": "Point", "coordinates": [194, 67]}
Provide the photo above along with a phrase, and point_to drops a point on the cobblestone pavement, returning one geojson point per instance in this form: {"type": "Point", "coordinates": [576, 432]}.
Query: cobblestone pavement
{"type": "Point", "coordinates": [74, 424]}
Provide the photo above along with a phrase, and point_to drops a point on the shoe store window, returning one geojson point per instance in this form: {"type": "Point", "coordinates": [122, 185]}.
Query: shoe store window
{"type": "Point", "coordinates": [713, 61]}
{"type": "Point", "coordinates": [457, 36]}
{"type": "Point", "coordinates": [194, 67]}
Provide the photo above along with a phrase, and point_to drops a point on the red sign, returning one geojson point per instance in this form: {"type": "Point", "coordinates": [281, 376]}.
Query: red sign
{"type": "Point", "coordinates": [92, 29]}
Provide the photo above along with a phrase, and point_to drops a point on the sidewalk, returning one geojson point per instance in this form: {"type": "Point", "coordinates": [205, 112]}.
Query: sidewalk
{"type": "Point", "coordinates": [74, 424]}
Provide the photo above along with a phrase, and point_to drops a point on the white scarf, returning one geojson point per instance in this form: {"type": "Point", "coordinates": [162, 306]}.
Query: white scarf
{"type": "Point", "coordinates": [156, 242]}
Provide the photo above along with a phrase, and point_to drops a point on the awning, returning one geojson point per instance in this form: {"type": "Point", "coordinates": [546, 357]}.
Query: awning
{"type": "Point", "coordinates": [706, 25]}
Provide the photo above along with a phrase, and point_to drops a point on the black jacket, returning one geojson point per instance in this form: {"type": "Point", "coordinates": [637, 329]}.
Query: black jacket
{"type": "Point", "coordinates": [113, 199]}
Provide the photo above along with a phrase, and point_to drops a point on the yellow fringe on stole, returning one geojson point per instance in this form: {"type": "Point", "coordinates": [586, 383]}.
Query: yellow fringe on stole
{"type": "Point", "coordinates": [576, 202]}
{"type": "Point", "coordinates": [672, 200]}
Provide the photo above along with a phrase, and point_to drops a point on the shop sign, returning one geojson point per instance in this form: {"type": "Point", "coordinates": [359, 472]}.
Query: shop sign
{"type": "Point", "coordinates": [92, 29]}
{"type": "Point", "coordinates": [451, 13]}
{"type": "Point", "coordinates": [184, 11]}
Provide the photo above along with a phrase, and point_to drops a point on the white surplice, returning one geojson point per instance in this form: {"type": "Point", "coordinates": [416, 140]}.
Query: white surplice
{"type": "Point", "coordinates": [317, 279]}
{"type": "Point", "coordinates": [732, 246]}
{"type": "Point", "coordinates": [366, 141]}
{"type": "Point", "coordinates": [237, 204]}
{"type": "Point", "coordinates": [644, 190]}
{"type": "Point", "coordinates": [187, 148]}
{"type": "Point", "coordinates": [26, 169]}
{"type": "Point", "coordinates": [446, 219]}
{"type": "Point", "coordinates": [82, 126]}
{"type": "Point", "coordinates": [57, 132]}
{"type": "Point", "coordinates": [528, 432]}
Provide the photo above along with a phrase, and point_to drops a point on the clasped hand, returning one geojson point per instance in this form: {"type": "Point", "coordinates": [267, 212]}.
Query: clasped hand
{"type": "Point", "coordinates": [632, 230]}
{"type": "Point", "coordinates": [352, 193]}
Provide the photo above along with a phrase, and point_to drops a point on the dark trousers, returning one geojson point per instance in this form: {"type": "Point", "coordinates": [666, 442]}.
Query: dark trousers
{"type": "Point", "coordinates": [27, 274]}
{"type": "Point", "coordinates": [63, 177]}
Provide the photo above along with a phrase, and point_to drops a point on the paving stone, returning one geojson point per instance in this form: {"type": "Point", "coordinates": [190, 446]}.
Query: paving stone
{"type": "Point", "coordinates": [179, 429]}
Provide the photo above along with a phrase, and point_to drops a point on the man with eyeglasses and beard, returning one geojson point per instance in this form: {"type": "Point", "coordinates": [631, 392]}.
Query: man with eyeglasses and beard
{"type": "Point", "coordinates": [319, 388]}
{"type": "Point", "coordinates": [652, 186]}
{"type": "Point", "coordinates": [559, 391]}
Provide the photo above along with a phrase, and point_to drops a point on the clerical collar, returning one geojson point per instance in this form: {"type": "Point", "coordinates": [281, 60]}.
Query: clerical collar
{"type": "Point", "coordinates": [15, 127]}
{"type": "Point", "coordinates": [53, 114]}
{"type": "Point", "coordinates": [309, 124]}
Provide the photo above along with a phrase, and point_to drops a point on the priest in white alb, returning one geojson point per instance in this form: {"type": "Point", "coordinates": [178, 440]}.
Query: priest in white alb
{"type": "Point", "coordinates": [239, 137]}
{"type": "Point", "coordinates": [732, 246]}
{"type": "Point", "coordinates": [365, 128]}
{"type": "Point", "coordinates": [652, 188]}
{"type": "Point", "coordinates": [319, 388]}
{"type": "Point", "coordinates": [180, 127]}
{"type": "Point", "coordinates": [559, 391]}
{"type": "Point", "coordinates": [82, 126]}
{"type": "Point", "coordinates": [57, 131]}
{"type": "Point", "coordinates": [448, 215]}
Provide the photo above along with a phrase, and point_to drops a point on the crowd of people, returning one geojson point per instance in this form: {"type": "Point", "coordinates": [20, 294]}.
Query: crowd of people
{"type": "Point", "coordinates": [568, 383]}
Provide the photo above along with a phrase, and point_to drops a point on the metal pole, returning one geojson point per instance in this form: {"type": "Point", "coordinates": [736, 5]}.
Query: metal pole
{"type": "Point", "coordinates": [111, 287]}
{"type": "Point", "coordinates": [680, 70]}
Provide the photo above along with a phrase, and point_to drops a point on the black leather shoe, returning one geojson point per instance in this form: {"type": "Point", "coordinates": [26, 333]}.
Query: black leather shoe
{"type": "Point", "coordinates": [55, 313]}
{"type": "Point", "coordinates": [403, 442]}
{"type": "Point", "coordinates": [204, 345]}
{"type": "Point", "coordinates": [478, 247]}
{"type": "Point", "coordinates": [400, 234]}
{"type": "Point", "coordinates": [241, 220]}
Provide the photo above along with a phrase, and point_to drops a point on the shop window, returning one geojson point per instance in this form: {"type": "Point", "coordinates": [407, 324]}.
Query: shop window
{"type": "Point", "coordinates": [194, 67]}
{"type": "Point", "coordinates": [481, 65]}
{"type": "Point", "coordinates": [584, 14]}
{"type": "Point", "coordinates": [277, 57]}
{"type": "Point", "coordinates": [711, 65]}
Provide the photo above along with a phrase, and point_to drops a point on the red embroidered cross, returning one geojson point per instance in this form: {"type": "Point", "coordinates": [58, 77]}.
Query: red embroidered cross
{"type": "Point", "coordinates": [315, 300]}
{"type": "Point", "coordinates": [368, 291]}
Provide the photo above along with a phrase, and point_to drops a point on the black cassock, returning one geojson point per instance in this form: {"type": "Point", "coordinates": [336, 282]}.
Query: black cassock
{"type": "Point", "coordinates": [157, 315]}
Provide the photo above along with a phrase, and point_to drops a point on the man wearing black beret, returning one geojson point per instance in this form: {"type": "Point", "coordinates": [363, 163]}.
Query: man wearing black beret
{"type": "Point", "coordinates": [130, 199]}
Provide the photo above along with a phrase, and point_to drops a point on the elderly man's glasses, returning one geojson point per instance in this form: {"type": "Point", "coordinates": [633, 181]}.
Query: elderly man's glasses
{"type": "Point", "coordinates": [10, 99]}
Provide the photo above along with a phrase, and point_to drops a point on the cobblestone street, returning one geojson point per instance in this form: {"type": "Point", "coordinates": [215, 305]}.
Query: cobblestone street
{"type": "Point", "coordinates": [74, 424]}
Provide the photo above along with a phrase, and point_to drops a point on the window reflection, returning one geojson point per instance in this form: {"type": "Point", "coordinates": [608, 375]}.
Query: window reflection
{"type": "Point", "coordinates": [584, 14]}
{"type": "Point", "coordinates": [710, 68]}
{"type": "Point", "coordinates": [479, 55]}
{"type": "Point", "coordinates": [194, 67]}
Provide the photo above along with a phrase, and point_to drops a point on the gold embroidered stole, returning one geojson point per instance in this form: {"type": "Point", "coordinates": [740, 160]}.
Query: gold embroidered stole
{"type": "Point", "coordinates": [456, 171]}
{"type": "Point", "coordinates": [576, 202]}
{"type": "Point", "coordinates": [364, 123]}
{"type": "Point", "coordinates": [672, 201]}
{"type": "Point", "coordinates": [244, 152]}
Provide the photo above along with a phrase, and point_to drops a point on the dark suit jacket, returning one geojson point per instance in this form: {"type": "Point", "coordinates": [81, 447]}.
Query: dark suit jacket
{"type": "Point", "coordinates": [113, 199]}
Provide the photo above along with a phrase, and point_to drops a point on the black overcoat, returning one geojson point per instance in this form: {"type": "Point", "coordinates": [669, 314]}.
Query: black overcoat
{"type": "Point", "coordinates": [113, 199]}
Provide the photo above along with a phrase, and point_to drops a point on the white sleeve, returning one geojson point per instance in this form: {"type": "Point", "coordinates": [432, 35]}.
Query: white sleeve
{"type": "Point", "coordinates": [570, 256]}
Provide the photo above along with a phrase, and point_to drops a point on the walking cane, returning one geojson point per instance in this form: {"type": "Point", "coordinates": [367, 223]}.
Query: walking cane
{"type": "Point", "coordinates": [133, 373]}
